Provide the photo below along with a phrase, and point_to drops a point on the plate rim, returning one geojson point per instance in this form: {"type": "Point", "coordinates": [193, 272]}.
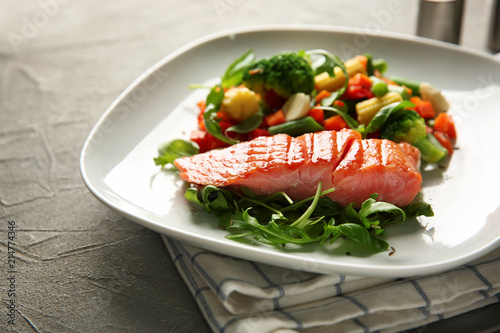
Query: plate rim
{"type": "Point", "coordinates": [403, 271]}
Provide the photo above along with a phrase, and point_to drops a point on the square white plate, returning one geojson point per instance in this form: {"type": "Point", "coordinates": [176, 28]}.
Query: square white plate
{"type": "Point", "coordinates": [117, 158]}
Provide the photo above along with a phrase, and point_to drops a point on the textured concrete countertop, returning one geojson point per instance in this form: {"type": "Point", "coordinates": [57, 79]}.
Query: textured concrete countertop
{"type": "Point", "coordinates": [79, 266]}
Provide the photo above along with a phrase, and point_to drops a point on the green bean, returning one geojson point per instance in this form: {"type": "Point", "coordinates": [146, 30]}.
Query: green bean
{"type": "Point", "coordinates": [414, 85]}
{"type": "Point", "coordinates": [369, 64]}
{"type": "Point", "coordinates": [400, 90]}
{"type": "Point", "coordinates": [380, 64]}
{"type": "Point", "coordinates": [391, 87]}
{"type": "Point", "coordinates": [296, 127]}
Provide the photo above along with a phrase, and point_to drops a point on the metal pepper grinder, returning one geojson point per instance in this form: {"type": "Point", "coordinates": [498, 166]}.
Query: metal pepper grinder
{"type": "Point", "coordinates": [440, 19]}
{"type": "Point", "coordinates": [494, 31]}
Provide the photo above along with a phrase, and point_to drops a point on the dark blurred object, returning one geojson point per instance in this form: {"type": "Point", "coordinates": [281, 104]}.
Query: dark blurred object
{"type": "Point", "coordinates": [440, 19]}
{"type": "Point", "coordinates": [494, 32]}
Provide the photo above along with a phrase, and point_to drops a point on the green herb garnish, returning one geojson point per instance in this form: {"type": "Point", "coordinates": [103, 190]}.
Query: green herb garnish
{"type": "Point", "coordinates": [276, 220]}
{"type": "Point", "coordinates": [168, 152]}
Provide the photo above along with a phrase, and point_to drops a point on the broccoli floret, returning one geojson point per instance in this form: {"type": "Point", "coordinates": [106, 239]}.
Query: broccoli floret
{"type": "Point", "coordinates": [409, 126]}
{"type": "Point", "coordinates": [285, 73]}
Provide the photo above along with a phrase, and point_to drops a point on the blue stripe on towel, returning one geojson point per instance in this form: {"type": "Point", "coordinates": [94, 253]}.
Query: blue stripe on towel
{"type": "Point", "coordinates": [218, 287]}
{"type": "Point", "coordinates": [338, 285]}
{"type": "Point", "coordinates": [421, 292]}
{"type": "Point", "coordinates": [199, 269]}
{"type": "Point", "coordinates": [427, 314]}
{"type": "Point", "coordinates": [289, 316]}
{"type": "Point", "coordinates": [271, 284]}
{"type": "Point", "coordinates": [177, 257]}
{"type": "Point", "coordinates": [281, 293]}
{"type": "Point", "coordinates": [200, 290]}
{"type": "Point", "coordinates": [357, 303]}
{"type": "Point", "coordinates": [202, 301]}
{"type": "Point", "coordinates": [229, 323]}
{"type": "Point", "coordinates": [480, 276]}
{"type": "Point", "coordinates": [360, 324]}
{"type": "Point", "coordinates": [484, 294]}
{"type": "Point", "coordinates": [424, 310]}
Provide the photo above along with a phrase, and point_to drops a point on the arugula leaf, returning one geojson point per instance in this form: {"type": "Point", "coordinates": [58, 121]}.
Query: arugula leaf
{"type": "Point", "coordinates": [327, 101]}
{"type": "Point", "coordinates": [272, 233]}
{"type": "Point", "coordinates": [330, 232]}
{"type": "Point", "coordinates": [377, 121]}
{"type": "Point", "coordinates": [276, 220]}
{"type": "Point", "coordinates": [215, 97]}
{"type": "Point", "coordinates": [215, 199]}
{"type": "Point", "coordinates": [372, 211]}
{"type": "Point", "coordinates": [384, 113]}
{"type": "Point", "coordinates": [210, 118]}
{"type": "Point", "coordinates": [419, 209]}
{"type": "Point", "coordinates": [324, 61]}
{"type": "Point", "coordinates": [192, 196]}
{"type": "Point", "coordinates": [248, 124]}
{"type": "Point", "coordinates": [234, 73]}
{"type": "Point", "coordinates": [351, 122]}
{"type": "Point", "coordinates": [359, 234]}
{"type": "Point", "coordinates": [168, 152]}
{"type": "Point", "coordinates": [303, 220]}
{"type": "Point", "coordinates": [369, 64]}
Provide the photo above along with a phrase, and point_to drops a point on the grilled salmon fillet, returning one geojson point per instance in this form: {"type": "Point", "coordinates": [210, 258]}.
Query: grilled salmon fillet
{"type": "Point", "coordinates": [356, 168]}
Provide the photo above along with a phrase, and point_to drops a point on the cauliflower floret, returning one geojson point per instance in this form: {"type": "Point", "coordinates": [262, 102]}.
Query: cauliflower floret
{"type": "Point", "coordinates": [431, 94]}
{"type": "Point", "coordinates": [297, 106]}
{"type": "Point", "coordinates": [240, 103]}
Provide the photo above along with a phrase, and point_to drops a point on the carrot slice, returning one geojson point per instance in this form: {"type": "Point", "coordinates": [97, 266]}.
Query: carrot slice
{"type": "Point", "coordinates": [335, 123]}
{"type": "Point", "coordinates": [275, 118]}
{"type": "Point", "coordinates": [317, 114]}
{"type": "Point", "coordinates": [360, 79]}
{"type": "Point", "coordinates": [423, 108]}
{"type": "Point", "coordinates": [321, 95]}
{"type": "Point", "coordinates": [444, 123]}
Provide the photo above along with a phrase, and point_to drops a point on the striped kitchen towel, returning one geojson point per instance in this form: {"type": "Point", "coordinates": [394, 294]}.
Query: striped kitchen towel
{"type": "Point", "coordinates": [237, 295]}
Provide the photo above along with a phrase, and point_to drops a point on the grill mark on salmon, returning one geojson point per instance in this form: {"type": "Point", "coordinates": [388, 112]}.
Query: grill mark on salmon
{"type": "Point", "coordinates": [356, 168]}
{"type": "Point", "coordinates": [378, 166]}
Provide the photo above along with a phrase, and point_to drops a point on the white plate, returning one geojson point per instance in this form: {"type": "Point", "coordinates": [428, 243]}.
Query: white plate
{"type": "Point", "coordinates": [117, 159]}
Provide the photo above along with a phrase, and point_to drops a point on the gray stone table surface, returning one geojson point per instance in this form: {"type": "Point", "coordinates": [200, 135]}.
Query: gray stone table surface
{"type": "Point", "coordinates": [81, 267]}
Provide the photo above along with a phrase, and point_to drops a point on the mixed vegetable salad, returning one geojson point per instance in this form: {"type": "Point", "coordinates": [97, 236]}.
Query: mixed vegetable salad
{"type": "Point", "coordinates": [309, 91]}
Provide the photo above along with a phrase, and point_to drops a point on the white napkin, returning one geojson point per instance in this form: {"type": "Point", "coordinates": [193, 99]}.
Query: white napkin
{"type": "Point", "coordinates": [237, 295]}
